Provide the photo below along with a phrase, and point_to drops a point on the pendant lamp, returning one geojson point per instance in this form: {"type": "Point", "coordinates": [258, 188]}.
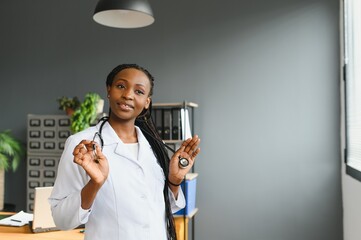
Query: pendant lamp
{"type": "Point", "coordinates": [123, 13]}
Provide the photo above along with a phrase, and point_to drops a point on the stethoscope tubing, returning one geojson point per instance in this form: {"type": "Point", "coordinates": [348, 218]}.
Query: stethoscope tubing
{"type": "Point", "coordinates": [182, 162]}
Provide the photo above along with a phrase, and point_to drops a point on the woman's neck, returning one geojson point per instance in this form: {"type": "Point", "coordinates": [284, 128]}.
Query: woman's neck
{"type": "Point", "coordinates": [125, 130]}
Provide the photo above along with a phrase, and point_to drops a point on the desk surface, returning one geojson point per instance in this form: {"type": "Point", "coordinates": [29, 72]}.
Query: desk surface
{"type": "Point", "coordinates": [56, 235]}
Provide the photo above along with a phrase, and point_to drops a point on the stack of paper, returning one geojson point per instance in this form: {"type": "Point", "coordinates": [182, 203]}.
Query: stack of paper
{"type": "Point", "coordinates": [17, 220]}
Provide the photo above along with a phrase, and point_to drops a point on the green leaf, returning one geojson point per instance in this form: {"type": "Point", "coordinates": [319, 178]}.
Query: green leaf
{"type": "Point", "coordinates": [86, 113]}
{"type": "Point", "coordinates": [11, 151]}
{"type": "Point", "coordinates": [4, 164]}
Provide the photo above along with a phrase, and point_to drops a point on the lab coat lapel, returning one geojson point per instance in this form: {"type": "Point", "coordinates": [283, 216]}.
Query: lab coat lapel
{"type": "Point", "coordinates": [108, 134]}
{"type": "Point", "coordinates": [111, 138]}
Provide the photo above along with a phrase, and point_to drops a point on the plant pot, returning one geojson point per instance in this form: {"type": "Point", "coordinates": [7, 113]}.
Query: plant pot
{"type": "Point", "coordinates": [2, 188]}
{"type": "Point", "coordinates": [100, 106]}
{"type": "Point", "coordinates": [69, 111]}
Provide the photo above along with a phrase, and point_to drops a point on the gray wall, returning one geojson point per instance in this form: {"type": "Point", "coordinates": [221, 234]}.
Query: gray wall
{"type": "Point", "coordinates": [265, 74]}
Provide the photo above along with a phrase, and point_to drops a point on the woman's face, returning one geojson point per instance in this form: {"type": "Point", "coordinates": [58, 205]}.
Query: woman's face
{"type": "Point", "coordinates": [129, 94]}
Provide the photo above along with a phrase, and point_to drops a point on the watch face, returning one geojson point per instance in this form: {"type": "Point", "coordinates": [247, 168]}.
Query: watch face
{"type": "Point", "coordinates": [183, 162]}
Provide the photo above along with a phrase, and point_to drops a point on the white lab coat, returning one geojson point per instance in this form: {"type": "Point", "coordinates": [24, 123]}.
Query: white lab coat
{"type": "Point", "coordinates": [130, 204]}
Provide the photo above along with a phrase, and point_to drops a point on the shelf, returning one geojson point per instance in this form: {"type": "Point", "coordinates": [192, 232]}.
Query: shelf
{"type": "Point", "coordinates": [191, 176]}
{"type": "Point", "coordinates": [172, 105]}
{"type": "Point", "coordinates": [173, 141]}
{"type": "Point", "coordinates": [191, 215]}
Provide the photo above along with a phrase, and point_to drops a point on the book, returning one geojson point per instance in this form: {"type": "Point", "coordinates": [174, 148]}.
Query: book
{"type": "Point", "coordinates": [167, 124]}
{"type": "Point", "coordinates": [158, 121]}
{"type": "Point", "coordinates": [176, 124]}
{"type": "Point", "coordinates": [186, 128]}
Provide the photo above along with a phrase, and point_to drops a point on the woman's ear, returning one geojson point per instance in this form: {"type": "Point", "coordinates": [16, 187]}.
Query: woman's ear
{"type": "Point", "coordinates": [108, 90]}
{"type": "Point", "coordinates": [149, 100]}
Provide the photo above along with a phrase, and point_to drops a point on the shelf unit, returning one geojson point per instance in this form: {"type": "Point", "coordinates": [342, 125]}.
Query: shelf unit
{"type": "Point", "coordinates": [184, 122]}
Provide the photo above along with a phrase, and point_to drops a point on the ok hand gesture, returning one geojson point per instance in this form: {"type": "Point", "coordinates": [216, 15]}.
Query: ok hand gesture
{"type": "Point", "coordinates": [89, 156]}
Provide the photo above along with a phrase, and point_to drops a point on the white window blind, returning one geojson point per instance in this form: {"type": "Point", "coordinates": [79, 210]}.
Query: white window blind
{"type": "Point", "coordinates": [352, 41]}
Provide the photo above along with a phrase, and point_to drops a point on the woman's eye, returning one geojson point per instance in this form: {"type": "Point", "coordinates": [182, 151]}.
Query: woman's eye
{"type": "Point", "coordinates": [139, 92]}
{"type": "Point", "coordinates": [120, 86]}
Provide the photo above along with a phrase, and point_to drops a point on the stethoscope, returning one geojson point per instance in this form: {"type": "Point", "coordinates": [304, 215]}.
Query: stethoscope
{"type": "Point", "coordinates": [182, 162]}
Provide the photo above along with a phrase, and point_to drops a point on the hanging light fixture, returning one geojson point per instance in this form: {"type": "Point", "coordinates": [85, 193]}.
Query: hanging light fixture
{"type": "Point", "coordinates": [123, 13]}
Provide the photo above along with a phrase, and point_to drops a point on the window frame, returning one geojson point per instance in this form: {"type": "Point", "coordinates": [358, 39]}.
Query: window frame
{"type": "Point", "coordinates": [353, 167]}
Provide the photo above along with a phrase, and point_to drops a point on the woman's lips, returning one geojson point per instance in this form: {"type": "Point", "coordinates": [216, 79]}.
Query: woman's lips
{"type": "Point", "coordinates": [125, 107]}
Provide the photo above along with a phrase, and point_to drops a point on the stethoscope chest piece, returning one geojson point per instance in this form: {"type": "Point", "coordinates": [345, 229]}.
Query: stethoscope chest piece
{"type": "Point", "coordinates": [183, 162]}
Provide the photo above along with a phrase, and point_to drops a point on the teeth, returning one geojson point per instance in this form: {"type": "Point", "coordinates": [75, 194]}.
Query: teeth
{"type": "Point", "coordinates": [125, 106]}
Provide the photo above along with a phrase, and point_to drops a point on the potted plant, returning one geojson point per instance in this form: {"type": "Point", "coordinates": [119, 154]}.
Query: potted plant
{"type": "Point", "coordinates": [11, 154]}
{"type": "Point", "coordinates": [69, 105]}
{"type": "Point", "coordinates": [87, 113]}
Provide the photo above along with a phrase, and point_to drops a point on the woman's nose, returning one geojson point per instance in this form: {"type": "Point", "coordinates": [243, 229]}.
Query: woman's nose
{"type": "Point", "coordinates": [128, 93]}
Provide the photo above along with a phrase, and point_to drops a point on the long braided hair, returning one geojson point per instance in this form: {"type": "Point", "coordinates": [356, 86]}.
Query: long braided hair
{"type": "Point", "coordinates": [146, 124]}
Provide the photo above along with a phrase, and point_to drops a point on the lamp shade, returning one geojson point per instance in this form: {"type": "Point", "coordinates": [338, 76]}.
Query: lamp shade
{"type": "Point", "coordinates": [123, 13]}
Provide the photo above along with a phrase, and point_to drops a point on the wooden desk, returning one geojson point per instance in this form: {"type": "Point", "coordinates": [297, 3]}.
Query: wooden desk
{"type": "Point", "coordinates": [56, 235]}
{"type": "Point", "coordinates": [24, 233]}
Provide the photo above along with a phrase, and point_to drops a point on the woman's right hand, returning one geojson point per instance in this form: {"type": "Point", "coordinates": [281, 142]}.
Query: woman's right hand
{"type": "Point", "coordinates": [95, 165]}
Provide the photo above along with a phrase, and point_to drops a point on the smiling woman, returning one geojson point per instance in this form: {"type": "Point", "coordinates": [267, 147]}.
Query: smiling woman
{"type": "Point", "coordinates": [118, 172]}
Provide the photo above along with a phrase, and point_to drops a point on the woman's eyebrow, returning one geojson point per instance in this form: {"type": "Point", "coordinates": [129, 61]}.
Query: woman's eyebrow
{"type": "Point", "coordinates": [123, 79]}
{"type": "Point", "coordinates": [140, 84]}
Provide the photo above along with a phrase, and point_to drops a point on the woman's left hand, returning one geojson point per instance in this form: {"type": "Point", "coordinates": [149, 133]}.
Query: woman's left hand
{"type": "Point", "coordinates": [189, 149]}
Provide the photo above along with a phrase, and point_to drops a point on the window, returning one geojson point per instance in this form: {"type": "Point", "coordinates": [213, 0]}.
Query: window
{"type": "Point", "coordinates": [352, 77]}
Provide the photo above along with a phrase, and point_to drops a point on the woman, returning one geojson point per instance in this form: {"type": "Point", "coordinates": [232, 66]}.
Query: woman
{"type": "Point", "coordinates": [122, 184]}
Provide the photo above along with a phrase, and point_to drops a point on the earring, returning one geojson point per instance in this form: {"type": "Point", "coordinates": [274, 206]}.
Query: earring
{"type": "Point", "coordinates": [108, 96]}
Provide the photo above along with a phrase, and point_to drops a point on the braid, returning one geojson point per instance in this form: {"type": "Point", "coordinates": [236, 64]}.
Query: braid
{"type": "Point", "coordinates": [145, 123]}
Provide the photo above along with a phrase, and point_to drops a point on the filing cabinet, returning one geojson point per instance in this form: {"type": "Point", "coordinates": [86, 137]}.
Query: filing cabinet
{"type": "Point", "coordinates": [46, 136]}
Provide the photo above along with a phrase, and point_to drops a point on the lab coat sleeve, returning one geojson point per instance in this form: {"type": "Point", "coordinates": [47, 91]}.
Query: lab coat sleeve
{"type": "Point", "coordinates": [65, 199]}
{"type": "Point", "coordinates": [176, 204]}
